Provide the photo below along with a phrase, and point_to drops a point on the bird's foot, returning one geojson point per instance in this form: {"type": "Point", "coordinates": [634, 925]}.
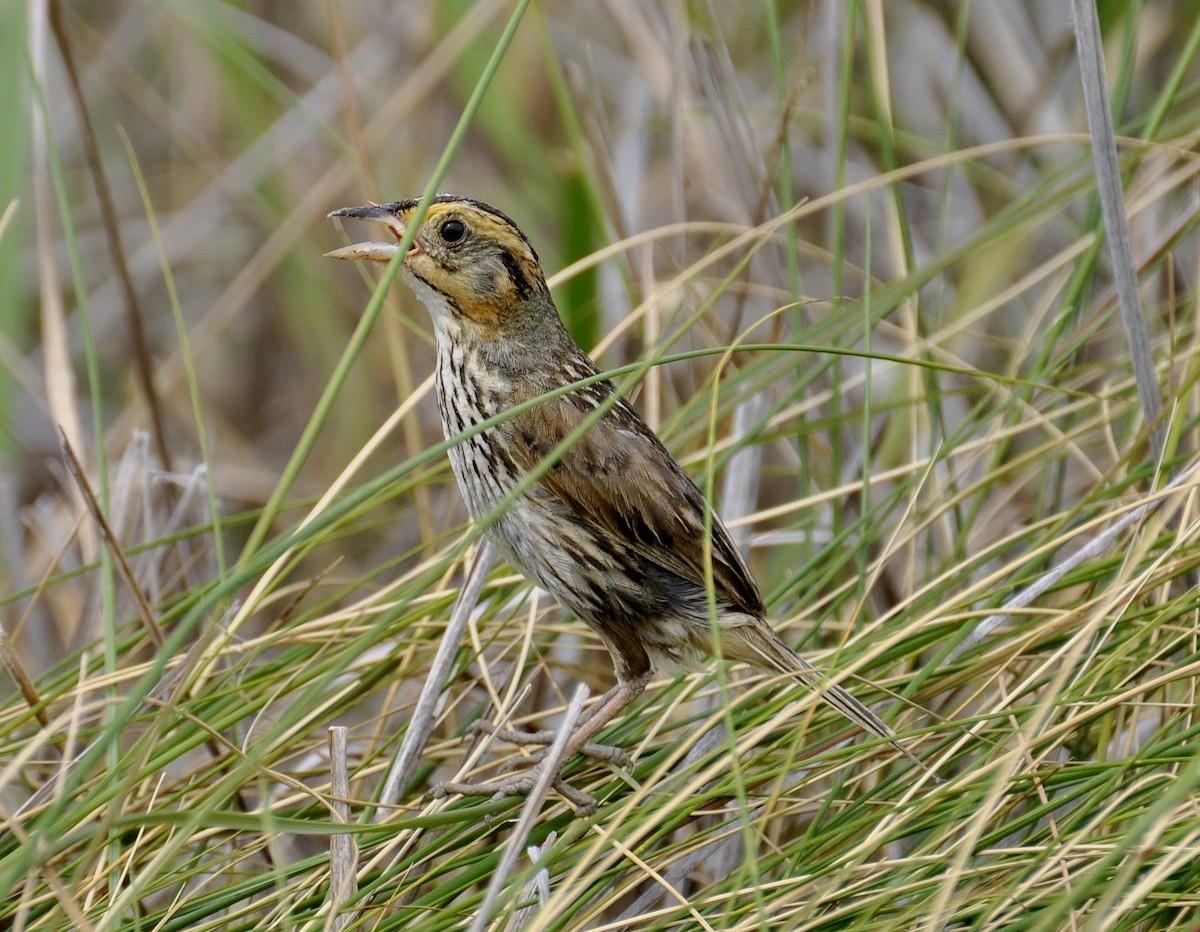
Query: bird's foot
{"type": "Point", "coordinates": [605, 753]}
{"type": "Point", "coordinates": [521, 785]}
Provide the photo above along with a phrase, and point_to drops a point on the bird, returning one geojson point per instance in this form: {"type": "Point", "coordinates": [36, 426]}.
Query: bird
{"type": "Point", "coordinates": [613, 527]}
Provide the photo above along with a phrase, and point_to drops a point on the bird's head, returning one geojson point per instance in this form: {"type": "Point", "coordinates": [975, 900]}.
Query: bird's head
{"type": "Point", "coordinates": [468, 262]}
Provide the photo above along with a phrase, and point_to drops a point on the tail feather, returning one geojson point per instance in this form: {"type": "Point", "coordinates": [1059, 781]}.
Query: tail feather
{"type": "Point", "coordinates": [759, 646]}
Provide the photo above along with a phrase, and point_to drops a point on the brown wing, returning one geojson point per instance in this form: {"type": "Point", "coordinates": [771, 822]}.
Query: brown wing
{"type": "Point", "coordinates": [620, 477]}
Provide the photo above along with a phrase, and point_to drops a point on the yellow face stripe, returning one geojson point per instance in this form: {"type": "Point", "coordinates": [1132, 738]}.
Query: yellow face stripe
{"type": "Point", "coordinates": [483, 276]}
{"type": "Point", "coordinates": [486, 224]}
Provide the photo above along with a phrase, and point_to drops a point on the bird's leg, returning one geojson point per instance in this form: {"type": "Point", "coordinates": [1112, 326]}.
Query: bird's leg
{"type": "Point", "coordinates": [610, 705]}
{"type": "Point", "coordinates": [601, 752]}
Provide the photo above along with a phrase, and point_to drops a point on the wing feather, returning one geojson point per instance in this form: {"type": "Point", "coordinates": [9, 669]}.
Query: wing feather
{"type": "Point", "coordinates": [621, 478]}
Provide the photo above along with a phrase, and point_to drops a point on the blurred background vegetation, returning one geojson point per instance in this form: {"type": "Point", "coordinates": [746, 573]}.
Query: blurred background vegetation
{"type": "Point", "coordinates": [889, 210]}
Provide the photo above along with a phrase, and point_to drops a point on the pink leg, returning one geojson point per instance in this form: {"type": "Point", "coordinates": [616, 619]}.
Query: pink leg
{"type": "Point", "coordinates": [611, 704]}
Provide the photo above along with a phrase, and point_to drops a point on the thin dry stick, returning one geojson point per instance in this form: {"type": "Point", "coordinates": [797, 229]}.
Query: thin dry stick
{"type": "Point", "coordinates": [1112, 207]}
{"type": "Point", "coordinates": [421, 726]}
{"type": "Point", "coordinates": [110, 538]}
{"type": "Point", "coordinates": [112, 229]}
{"type": "Point", "coordinates": [1102, 544]}
{"type": "Point", "coordinates": [16, 669]}
{"type": "Point", "coordinates": [533, 804]}
{"type": "Point", "coordinates": [343, 852]}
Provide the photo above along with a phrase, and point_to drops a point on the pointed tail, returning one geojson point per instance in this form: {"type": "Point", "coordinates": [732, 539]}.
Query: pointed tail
{"type": "Point", "coordinates": [759, 646]}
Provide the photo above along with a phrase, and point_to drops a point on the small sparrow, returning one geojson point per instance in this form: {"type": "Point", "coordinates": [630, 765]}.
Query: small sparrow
{"type": "Point", "coordinates": [614, 529]}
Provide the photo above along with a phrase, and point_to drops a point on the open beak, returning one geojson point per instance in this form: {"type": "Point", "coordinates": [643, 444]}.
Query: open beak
{"type": "Point", "coordinates": [372, 252]}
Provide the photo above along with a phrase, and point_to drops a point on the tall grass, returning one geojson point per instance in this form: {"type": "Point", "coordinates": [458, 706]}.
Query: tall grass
{"type": "Point", "coordinates": [849, 259]}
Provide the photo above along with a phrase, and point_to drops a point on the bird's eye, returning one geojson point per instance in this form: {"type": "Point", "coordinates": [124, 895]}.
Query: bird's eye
{"type": "Point", "coordinates": [453, 231]}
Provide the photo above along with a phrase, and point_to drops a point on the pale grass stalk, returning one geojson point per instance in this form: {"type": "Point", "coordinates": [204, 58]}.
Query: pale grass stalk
{"type": "Point", "coordinates": [1112, 205]}
{"type": "Point", "coordinates": [421, 725]}
{"type": "Point", "coordinates": [529, 812]}
{"type": "Point", "coordinates": [343, 853]}
{"type": "Point", "coordinates": [59, 372]}
{"type": "Point", "coordinates": [539, 885]}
